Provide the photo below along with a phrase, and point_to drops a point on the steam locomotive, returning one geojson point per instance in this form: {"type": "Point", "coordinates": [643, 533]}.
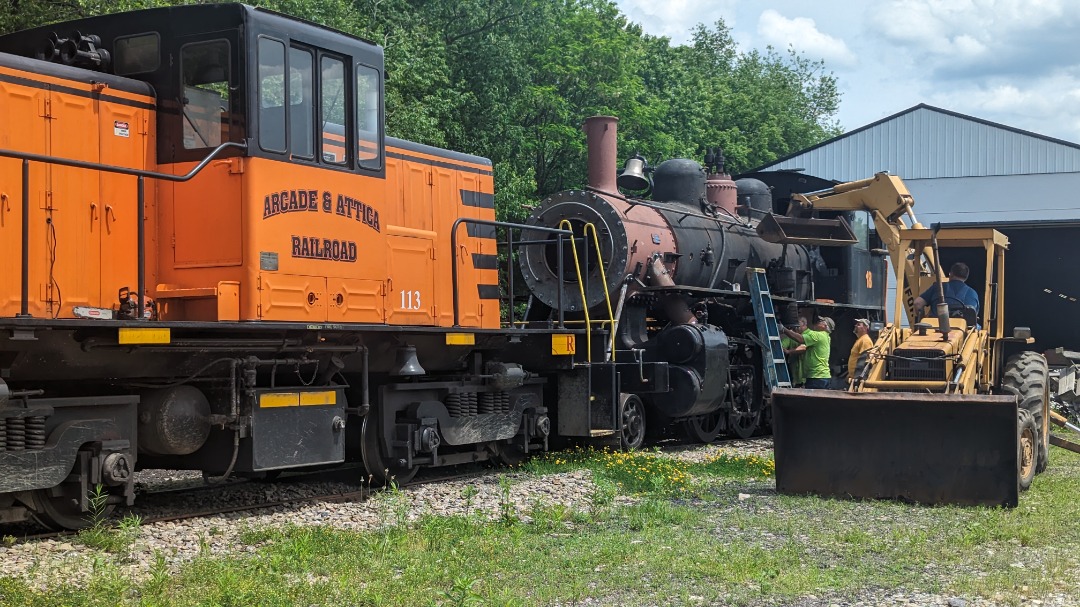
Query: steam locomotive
{"type": "Point", "coordinates": [218, 261]}
{"type": "Point", "coordinates": [677, 261]}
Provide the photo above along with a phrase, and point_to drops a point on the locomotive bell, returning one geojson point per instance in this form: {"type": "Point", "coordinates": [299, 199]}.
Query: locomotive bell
{"type": "Point", "coordinates": [633, 175]}
{"type": "Point", "coordinates": [406, 364]}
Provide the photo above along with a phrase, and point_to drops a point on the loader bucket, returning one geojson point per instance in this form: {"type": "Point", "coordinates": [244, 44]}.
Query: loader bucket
{"type": "Point", "coordinates": [922, 448]}
{"type": "Point", "coordinates": [792, 230]}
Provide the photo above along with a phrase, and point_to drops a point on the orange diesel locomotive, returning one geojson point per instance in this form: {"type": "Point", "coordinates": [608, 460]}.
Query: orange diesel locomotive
{"type": "Point", "coordinates": [216, 260]}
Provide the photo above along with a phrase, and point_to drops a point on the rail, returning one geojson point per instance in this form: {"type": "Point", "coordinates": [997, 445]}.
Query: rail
{"type": "Point", "coordinates": [27, 158]}
{"type": "Point", "coordinates": [560, 233]}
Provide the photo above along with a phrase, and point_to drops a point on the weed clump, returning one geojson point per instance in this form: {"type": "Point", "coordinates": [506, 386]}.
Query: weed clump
{"type": "Point", "coordinates": [629, 471]}
{"type": "Point", "coordinates": [729, 465]}
{"type": "Point", "coordinates": [102, 536]}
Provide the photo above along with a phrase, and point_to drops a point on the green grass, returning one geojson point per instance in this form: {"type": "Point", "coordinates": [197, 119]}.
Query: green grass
{"type": "Point", "coordinates": [690, 534]}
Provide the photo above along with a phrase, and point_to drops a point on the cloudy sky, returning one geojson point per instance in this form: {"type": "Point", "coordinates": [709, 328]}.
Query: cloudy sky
{"type": "Point", "coordinates": [1016, 62]}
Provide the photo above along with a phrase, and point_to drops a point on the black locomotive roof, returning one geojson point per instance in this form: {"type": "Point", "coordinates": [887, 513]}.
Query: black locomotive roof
{"type": "Point", "coordinates": [175, 22]}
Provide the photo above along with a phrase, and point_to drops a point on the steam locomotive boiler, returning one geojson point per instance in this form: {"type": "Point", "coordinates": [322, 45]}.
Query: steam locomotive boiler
{"type": "Point", "coordinates": [672, 268]}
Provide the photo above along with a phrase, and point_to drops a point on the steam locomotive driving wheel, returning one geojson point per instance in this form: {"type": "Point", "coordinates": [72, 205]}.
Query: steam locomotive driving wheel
{"type": "Point", "coordinates": [744, 418]}
{"type": "Point", "coordinates": [704, 428]}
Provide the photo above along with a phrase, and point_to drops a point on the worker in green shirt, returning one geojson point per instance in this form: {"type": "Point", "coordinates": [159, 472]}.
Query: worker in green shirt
{"type": "Point", "coordinates": [794, 351]}
{"type": "Point", "coordinates": [816, 358]}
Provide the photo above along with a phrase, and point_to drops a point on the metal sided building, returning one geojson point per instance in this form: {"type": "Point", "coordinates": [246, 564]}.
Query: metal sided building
{"type": "Point", "coordinates": [962, 169]}
{"type": "Point", "coordinates": [958, 167]}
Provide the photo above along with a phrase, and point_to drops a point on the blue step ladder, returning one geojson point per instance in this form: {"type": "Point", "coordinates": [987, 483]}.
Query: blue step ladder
{"type": "Point", "coordinates": [777, 374]}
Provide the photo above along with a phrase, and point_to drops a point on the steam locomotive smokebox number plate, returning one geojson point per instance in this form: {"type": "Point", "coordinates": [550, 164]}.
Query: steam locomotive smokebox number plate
{"type": "Point", "coordinates": [297, 427]}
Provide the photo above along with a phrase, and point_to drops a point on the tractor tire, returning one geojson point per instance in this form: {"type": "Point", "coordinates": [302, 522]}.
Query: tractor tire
{"type": "Point", "coordinates": [1027, 456]}
{"type": "Point", "coordinates": [1026, 376]}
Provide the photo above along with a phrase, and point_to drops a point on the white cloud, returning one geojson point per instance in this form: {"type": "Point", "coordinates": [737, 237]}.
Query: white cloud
{"type": "Point", "coordinates": [968, 28]}
{"type": "Point", "coordinates": [803, 35]}
{"type": "Point", "coordinates": [1048, 106]}
{"type": "Point", "coordinates": [677, 18]}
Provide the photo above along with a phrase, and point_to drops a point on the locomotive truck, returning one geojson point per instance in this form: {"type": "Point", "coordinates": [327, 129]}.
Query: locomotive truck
{"type": "Point", "coordinates": [217, 260]}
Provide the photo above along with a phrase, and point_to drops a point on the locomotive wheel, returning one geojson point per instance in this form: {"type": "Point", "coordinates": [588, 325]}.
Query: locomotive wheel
{"type": "Point", "coordinates": [1029, 440]}
{"type": "Point", "coordinates": [61, 511]}
{"type": "Point", "coordinates": [507, 454]}
{"type": "Point", "coordinates": [1025, 376]}
{"type": "Point", "coordinates": [632, 422]}
{"type": "Point", "coordinates": [744, 425]}
{"type": "Point", "coordinates": [382, 472]}
{"type": "Point", "coordinates": [704, 428]}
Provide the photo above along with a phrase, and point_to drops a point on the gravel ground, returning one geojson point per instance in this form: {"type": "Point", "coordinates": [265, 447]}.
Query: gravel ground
{"type": "Point", "coordinates": [47, 562]}
{"type": "Point", "coordinates": [50, 561]}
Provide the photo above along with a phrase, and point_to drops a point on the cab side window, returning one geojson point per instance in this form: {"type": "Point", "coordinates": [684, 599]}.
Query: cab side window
{"type": "Point", "coordinates": [333, 99]}
{"type": "Point", "coordinates": [206, 99]}
{"type": "Point", "coordinates": [272, 95]}
{"type": "Point", "coordinates": [368, 102]}
{"type": "Point", "coordinates": [301, 103]}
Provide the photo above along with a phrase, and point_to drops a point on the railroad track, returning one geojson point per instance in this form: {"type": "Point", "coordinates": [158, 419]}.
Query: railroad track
{"type": "Point", "coordinates": [336, 497]}
{"type": "Point", "coordinates": [146, 498]}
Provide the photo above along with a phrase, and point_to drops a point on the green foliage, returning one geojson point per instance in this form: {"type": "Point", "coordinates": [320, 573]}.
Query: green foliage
{"type": "Point", "coordinates": [462, 592]}
{"type": "Point", "coordinates": [739, 466]}
{"type": "Point", "coordinates": [101, 535]}
{"type": "Point", "coordinates": [512, 80]}
{"type": "Point", "coordinates": [507, 511]}
{"type": "Point", "coordinates": [636, 472]}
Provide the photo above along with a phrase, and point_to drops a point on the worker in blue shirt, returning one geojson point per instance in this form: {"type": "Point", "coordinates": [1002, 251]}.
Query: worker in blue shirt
{"type": "Point", "coordinates": [957, 293]}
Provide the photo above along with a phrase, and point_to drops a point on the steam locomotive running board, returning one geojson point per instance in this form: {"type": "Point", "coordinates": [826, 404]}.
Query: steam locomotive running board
{"type": "Point", "coordinates": [923, 448]}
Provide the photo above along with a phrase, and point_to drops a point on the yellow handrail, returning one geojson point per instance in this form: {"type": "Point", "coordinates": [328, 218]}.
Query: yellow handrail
{"type": "Point", "coordinates": [603, 280]}
{"type": "Point", "coordinates": [565, 224]}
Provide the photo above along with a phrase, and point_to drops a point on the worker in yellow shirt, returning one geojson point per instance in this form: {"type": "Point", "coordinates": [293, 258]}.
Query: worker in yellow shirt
{"type": "Point", "coordinates": [862, 344]}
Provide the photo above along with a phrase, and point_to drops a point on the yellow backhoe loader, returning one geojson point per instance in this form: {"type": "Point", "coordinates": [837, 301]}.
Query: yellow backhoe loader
{"type": "Point", "coordinates": [936, 412]}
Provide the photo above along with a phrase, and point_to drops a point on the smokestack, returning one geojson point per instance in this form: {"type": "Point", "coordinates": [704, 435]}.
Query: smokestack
{"type": "Point", "coordinates": [601, 135]}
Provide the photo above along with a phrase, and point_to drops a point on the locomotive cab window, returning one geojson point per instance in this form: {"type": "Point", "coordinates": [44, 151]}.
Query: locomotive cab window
{"type": "Point", "coordinates": [333, 100]}
{"type": "Point", "coordinates": [301, 103]}
{"type": "Point", "coordinates": [206, 94]}
{"type": "Point", "coordinates": [368, 125]}
{"type": "Point", "coordinates": [137, 54]}
{"type": "Point", "coordinates": [278, 119]}
{"type": "Point", "coordinates": [272, 95]}
{"type": "Point", "coordinates": [860, 225]}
